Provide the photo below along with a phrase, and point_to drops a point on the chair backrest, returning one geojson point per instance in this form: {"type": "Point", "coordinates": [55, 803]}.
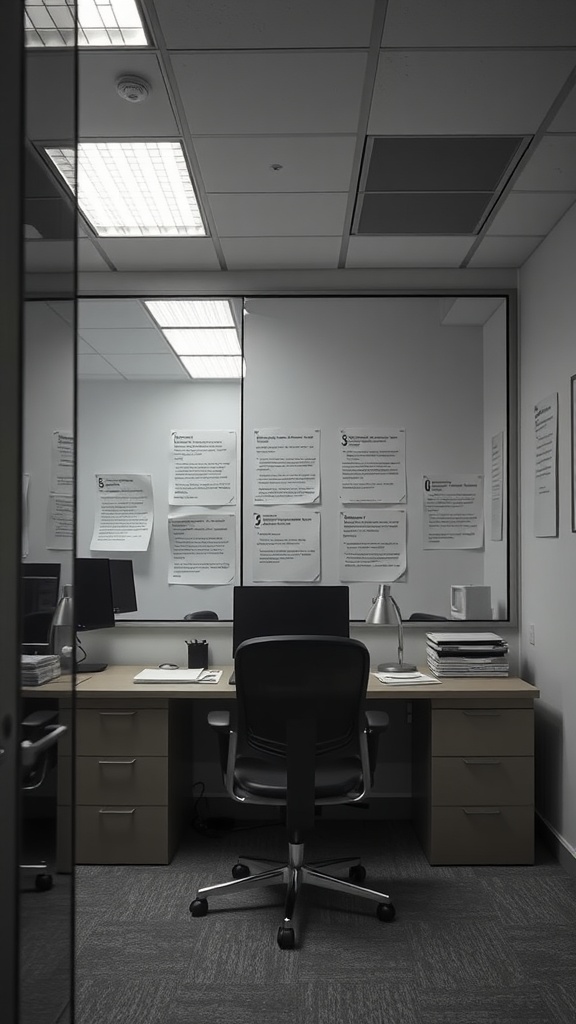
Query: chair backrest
{"type": "Point", "coordinates": [318, 679]}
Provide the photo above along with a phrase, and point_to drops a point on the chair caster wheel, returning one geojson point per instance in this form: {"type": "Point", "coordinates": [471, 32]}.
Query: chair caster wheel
{"type": "Point", "coordinates": [240, 871]}
{"type": "Point", "coordinates": [199, 908]}
{"type": "Point", "coordinates": [43, 882]}
{"type": "Point", "coordinates": [385, 912]}
{"type": "Point", "coordinates": [357, 874]}
{"type": "Point", "coordinates": [286, 938]}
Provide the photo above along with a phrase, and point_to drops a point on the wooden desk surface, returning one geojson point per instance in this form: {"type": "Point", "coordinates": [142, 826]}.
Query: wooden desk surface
{"type": "Point", "coordinates": [118, 681]}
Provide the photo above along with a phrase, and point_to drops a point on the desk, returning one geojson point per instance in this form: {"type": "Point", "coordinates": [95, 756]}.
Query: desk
{"type": "Point", "coordinates": [472, 771]}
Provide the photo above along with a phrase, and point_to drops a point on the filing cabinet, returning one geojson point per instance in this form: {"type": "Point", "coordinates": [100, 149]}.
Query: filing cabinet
{"type": "Point", "coordinates": [130, 781]}
{"type": "Point", "coordinates": [473, 781]}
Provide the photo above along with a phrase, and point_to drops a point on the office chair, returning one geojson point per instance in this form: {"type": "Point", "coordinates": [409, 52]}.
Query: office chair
{"type": "Point", "coordinates": [40, 735]}
{"type": "Point", "coordinates": [426, 617]}
{"type": "Point", "coordinates": [302, 739]}
{"type": "Point", "coordinates": [202, 616]}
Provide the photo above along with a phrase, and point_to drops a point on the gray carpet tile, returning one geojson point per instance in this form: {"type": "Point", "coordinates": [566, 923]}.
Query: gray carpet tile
{"type": "Point", "coordinates": [469, 945]}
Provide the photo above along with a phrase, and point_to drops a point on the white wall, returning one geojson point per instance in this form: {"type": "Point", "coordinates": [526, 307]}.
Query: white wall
{"type": "Point", "coordinates": [548, 565]}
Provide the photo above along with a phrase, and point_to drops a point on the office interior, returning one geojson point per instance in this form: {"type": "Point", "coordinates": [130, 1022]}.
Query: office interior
{"type": "Point", "coordinates": [278, 109]}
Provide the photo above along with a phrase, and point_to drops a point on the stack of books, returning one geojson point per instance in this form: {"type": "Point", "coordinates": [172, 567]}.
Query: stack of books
{"type": "Point", "coordinates": [467, 654]}
{"type": "Point", "coordinates": [39, 668]}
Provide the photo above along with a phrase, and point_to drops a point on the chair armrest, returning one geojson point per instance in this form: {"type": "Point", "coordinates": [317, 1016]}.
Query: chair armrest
{"type": "Point", "coordinates": [220, 722]}
{"type": "Point", "coordinates": [376, 722]}
{"type": "Point", "coordinates": [39, 719]}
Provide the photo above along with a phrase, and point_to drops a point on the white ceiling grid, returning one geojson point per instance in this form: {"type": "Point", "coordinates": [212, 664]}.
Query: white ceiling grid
{"type": "Point", "coordinates": [273, 100]}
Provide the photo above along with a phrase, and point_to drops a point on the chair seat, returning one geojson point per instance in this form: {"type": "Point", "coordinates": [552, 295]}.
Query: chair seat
{"type": "Point", "coordinates": [264, 779]}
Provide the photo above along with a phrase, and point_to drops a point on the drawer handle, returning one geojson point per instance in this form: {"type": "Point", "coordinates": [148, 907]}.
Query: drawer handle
{"type": "Point", "coordinates": [133, 761]}
{"type": "Point", "coordinates": [481, 760]}
{"type": "Point", "coordinates": [116, 714]}
{"type": "Point", "coordinates": [105, 811]}
{"type": "Point", "coordinates": [482, 810]}
{"type": "Point", "coordinates": [477, 713]}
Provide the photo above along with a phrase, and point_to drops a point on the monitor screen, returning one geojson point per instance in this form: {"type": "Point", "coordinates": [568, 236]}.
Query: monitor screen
{"type": "Point", "coordinates": [123, 589]}
{"type": "Point", "coordinates": [93, 605]}
{"type": "Point", "coordinates": [37, 569]}
{"type": "Point", "coordinates": [284, 611]}
{"type": "Point", "coordinates": [39, 600]}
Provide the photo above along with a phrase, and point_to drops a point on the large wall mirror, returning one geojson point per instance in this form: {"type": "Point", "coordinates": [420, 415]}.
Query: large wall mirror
{"type": "Point", "coordinates": [420, 387]}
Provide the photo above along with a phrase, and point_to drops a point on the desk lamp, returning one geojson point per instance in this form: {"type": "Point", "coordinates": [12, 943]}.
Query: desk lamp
{"type": "Point", "coordinates": [62, 629]}
{"type": "Point", "coordinates": [385, 612]}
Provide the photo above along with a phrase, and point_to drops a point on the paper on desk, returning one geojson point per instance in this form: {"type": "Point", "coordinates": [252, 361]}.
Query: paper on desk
{"type": "Point", "coordinates": [169, 675]}
{"type": "Point", "coordinates": [404, 678]}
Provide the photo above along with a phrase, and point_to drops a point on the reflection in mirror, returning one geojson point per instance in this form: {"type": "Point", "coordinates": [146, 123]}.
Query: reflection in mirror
{"type": "Point", "coordinates": [159, 384]}
{"type": "Point", "coordinates": [46, 877]}
{"type": "Point", "coordinates": [409, 397]}
{"type": "Point", "coordinates": [432, 370]}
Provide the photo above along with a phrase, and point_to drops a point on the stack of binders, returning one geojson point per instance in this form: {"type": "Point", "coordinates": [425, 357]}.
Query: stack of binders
{"type": "Point", "coordinates": [39, 668]}
{"type": "Point", "coordinates": [467, 654]}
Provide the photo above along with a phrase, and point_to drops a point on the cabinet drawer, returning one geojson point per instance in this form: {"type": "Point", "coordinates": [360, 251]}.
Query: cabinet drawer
{"type": "Point", "coordinates": [122, 835]}
{"type": "Point", "coordinates": [124, 732]}
{"type": "Point", "coordinates": [122, 780]}
{"type": "Point", "coordinates": [482, 835]}
{"type": "Point", "coordinates": [482, 780]}
{"type": "Point", "coordinates": [482, 731]}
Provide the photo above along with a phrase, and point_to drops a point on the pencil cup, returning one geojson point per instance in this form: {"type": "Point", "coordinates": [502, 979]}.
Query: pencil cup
{"type": "Point", "coordinates": [197, 653]}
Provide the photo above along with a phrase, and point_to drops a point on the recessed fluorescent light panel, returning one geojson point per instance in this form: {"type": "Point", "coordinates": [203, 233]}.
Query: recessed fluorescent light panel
{"type": "Point", "coordinates": [132, 189]}
{"type": "Point", "coordinates": [203, 334]}
{"type": "Point", "coordinates": [100, 23]}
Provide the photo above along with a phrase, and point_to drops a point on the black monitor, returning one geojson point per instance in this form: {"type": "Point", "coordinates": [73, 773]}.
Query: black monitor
{"type": "Point", "coordinates": [40, 584]}
{"type": "Point", "coordinates": [123, 588]}
{"type": "Point", "coordinates": [93, 604]}
{"type": "Point", "coordinates": [286, 610]}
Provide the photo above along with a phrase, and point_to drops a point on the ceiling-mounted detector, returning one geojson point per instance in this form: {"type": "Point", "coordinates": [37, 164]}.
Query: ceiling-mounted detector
{"type": "Point", "coordinates": [132, 89]}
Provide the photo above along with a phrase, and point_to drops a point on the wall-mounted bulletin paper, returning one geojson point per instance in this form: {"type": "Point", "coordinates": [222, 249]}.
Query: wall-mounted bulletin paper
{"type": "Point", "coordinates": [202, 548]}
{"type": "Point", "coordinates": [372, 545]}
{"type": "Point", "coordinates": [497, 485]}
{"type": "Point", "coordinates": [373, 466]}
{"type": "Point", "coordinates": [453, 511]}
{"type": "Point", "coordinates": [60, 525]}
{"type": "Point", "coordinates": [25, 515]}
{"type": "Point", "coordinates": [62, 462]}
{"type": "Point", "coordinates": [545, 467]}
{"type": "Point", "coordinates": [124, 512]}
{"type": "Point", "coordinates": [286, 546]}
{"type": "Point", "coordinates": [202, 467]}
{"type": "Point", "coordinates": [287, 467]}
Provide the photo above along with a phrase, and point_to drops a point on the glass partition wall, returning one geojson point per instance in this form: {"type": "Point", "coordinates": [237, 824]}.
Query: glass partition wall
{"type": "Point", "coordinates": [48, 513]}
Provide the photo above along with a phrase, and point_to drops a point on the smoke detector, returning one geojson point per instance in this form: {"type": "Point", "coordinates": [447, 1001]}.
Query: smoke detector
{"type": "Point", "coordinates": [132, 89]}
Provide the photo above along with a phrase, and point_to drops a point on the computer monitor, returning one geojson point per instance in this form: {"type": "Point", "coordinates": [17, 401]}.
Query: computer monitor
{"type": "Point", "coordinates": [123, 588]}
{"type": "Point", "coordinates": [40, 582]}
{"type": "Point", "coordinates": [93, 604]}
{"type": "Point", "coordinates": [286, 610]}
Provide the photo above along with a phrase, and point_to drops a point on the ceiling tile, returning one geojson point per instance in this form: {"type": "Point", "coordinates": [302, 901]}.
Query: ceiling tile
{"type": "Point", "coordinates": [530, 213]}
{"type": "Point", "coordinates": [50, 83]}
{"type": "Point", "coordinates": [256, 24]}
{"type": "Point", "coordinates": [125, 342]}
{"type": "Point", "coordinates": [270, 93]}
{"type": "Point", "coordinates": [413, 251]}
{"type": "Point", "coordinates": [93, 365]}
{"type": "Point", "coordinates": [489, 23]}
{"type": "Point", "coordinates": [302, 213]}
{"type": "Point", "coordinates": [48, 255]}
{"type": "Point", "coordinates": [105, 313]}
{"type": "Point", "coordinates": [139, 367]}
{"type": "Point", "coordinates": [504, 251]}
{"type": "Point", "coordinates": [565, 120]}
{"type": "Point", "coordinates": [421, 213]}
{"type": "Point", "coordinates": [466, 93]}
{"type": "Point", "coordinates": [552, 166]}
{"type": "Point", "coordinates": [161, 253]}
{"type": "Point", "coordinates": [102, 113]}
{"type": "Point", "coordinates": [88, 256]}
{"type": "Point", "coordinates": [280, 253]}
{"type": "Point", "coordinates": [307, 164]}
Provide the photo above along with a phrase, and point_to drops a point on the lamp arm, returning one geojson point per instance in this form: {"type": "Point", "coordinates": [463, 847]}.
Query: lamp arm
{"type": "Point", "coordinates": [400, 630]}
